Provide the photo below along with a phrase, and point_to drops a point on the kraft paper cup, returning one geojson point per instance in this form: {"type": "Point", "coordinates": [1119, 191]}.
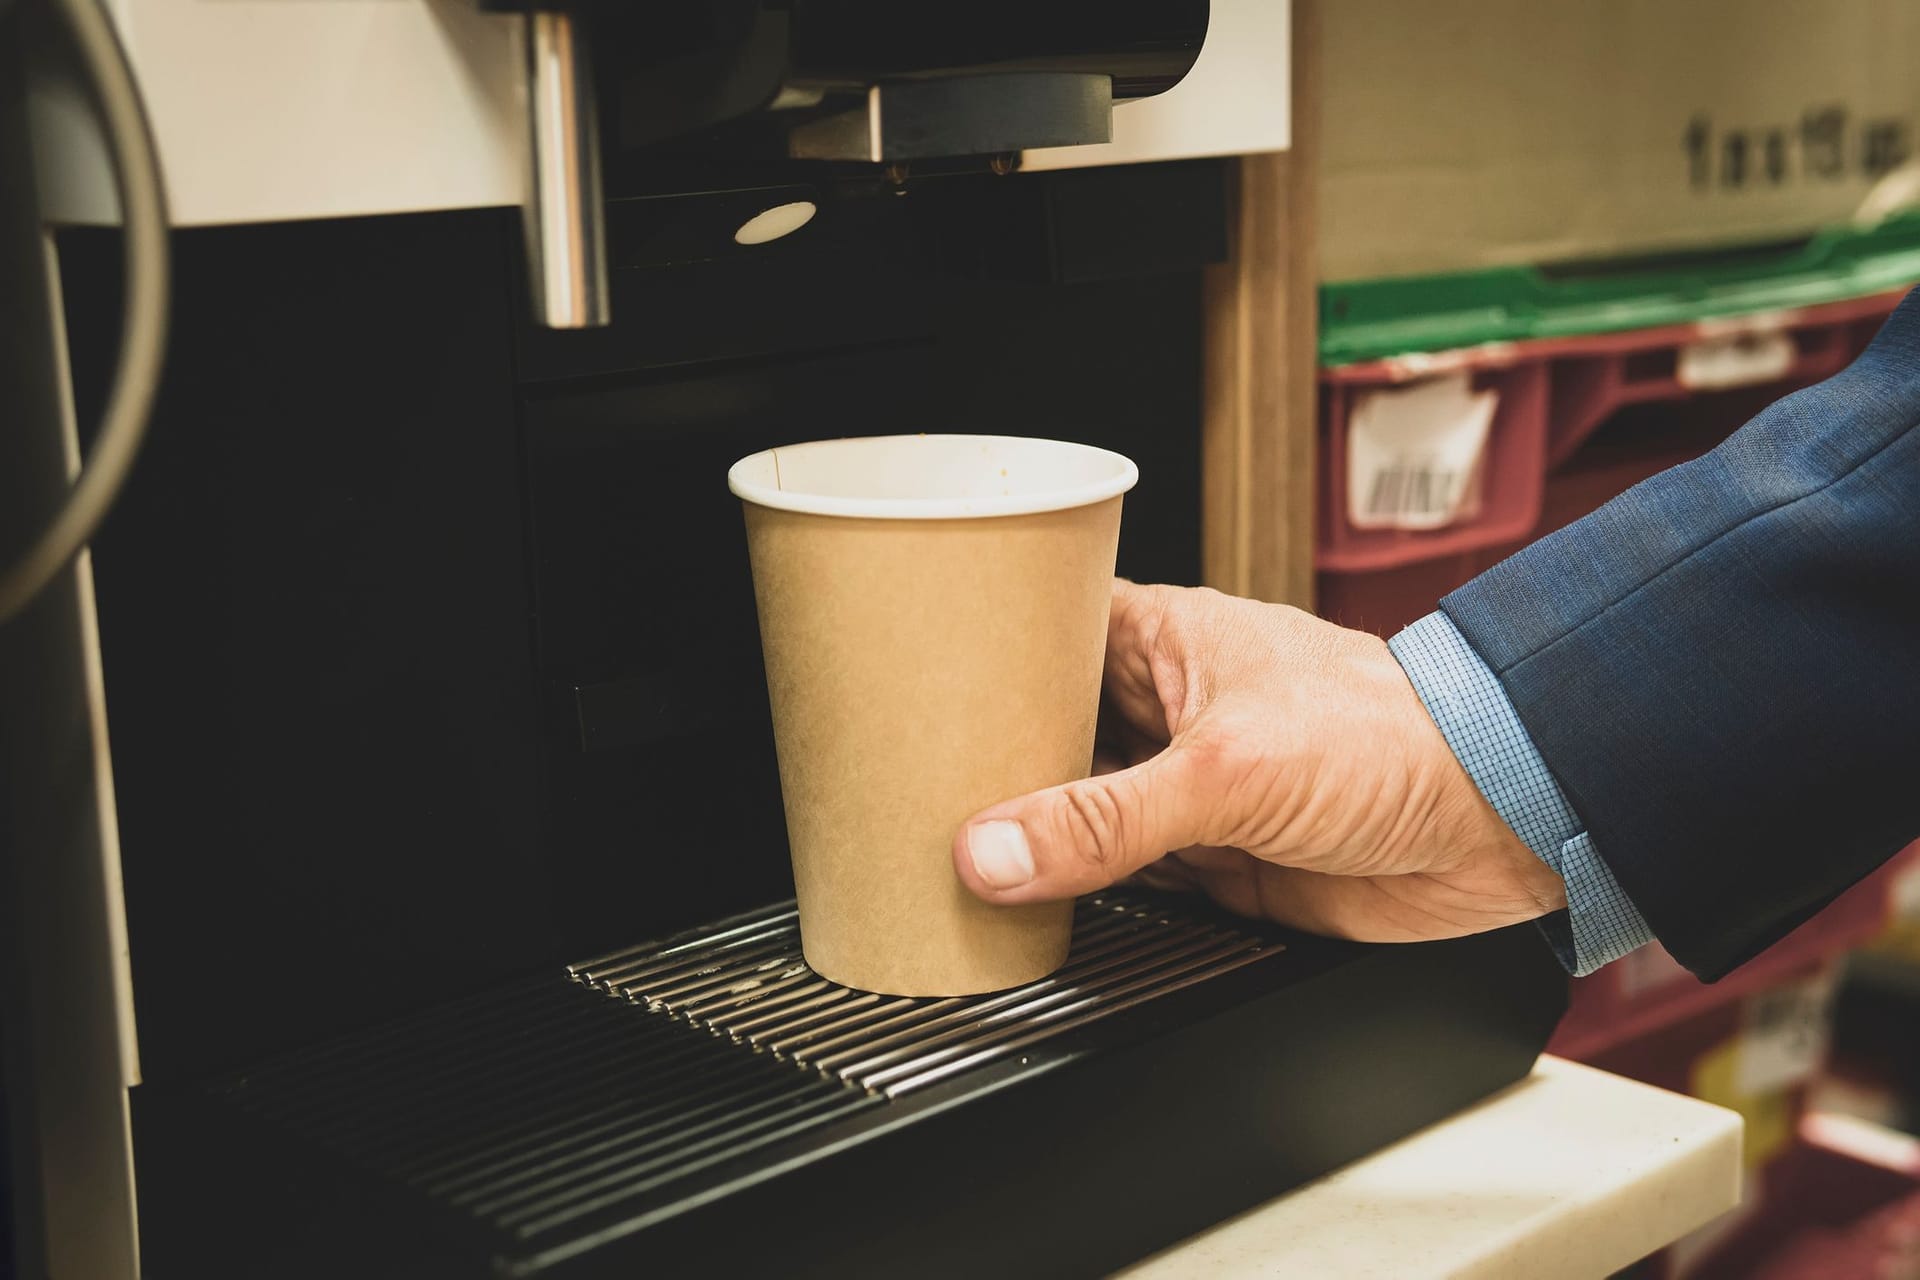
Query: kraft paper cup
{"type": "Point", "coordinates": [934, 615]}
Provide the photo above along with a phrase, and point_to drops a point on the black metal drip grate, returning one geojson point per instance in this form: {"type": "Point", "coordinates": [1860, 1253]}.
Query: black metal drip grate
{"type": "Point", "coordinates": [533, 1109]}
{"type": "Point", "coordinates": [745, 980]}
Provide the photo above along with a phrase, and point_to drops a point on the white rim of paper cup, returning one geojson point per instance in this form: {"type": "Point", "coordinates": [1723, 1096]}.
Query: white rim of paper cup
{"type": "Point", "coordinates": [1123, 475]}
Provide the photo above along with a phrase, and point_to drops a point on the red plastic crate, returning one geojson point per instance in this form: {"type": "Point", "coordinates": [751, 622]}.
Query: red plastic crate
{"type": "Point", "coordinates": [1554, 395]}
{"type": "Point", "coordinates": [1595, 377]}
{"type": "Point", "coordinates": [1812, 1206]}
{"type": "Point", "coordinates": [1669, 1055]}
{"type": "Point", "coordinates": [1512, 469]}
{"type": "Point", "coordinates": [1641, 993]}
{"type": "Point", "coordinates": [1759, 1056]}
{"type": "Point", "coordinates": [1843, 1201]}
{"type": "Point", "coordinates": [1386, 600]}
{"type": "Point", "coordinates": [1547, 457]}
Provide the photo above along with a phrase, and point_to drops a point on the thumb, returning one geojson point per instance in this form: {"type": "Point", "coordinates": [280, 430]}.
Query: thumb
{"type": "Point", "coordinates": [1085, 835]}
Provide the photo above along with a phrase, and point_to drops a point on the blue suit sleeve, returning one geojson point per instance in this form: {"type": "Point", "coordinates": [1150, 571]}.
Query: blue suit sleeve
{"type": "Point", "coordinates": [1480, 724]}
{"type": "Point", "coordinates": [1721, 667]}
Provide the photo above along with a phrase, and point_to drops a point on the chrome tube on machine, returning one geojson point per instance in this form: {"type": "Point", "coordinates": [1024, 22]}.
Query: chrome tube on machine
{"type": "Point", "coordinates": [565, 212]}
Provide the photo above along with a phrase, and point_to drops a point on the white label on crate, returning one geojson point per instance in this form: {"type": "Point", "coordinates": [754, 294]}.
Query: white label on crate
{"type": "Point", "coordinates": [1413, 453]}
{"type": "Point", "coordinates": [1734, 360]}
{"type": "Point", "coordinates": [1783, 1039]}
{"type": "Point", "coordinates": [1865, 1140]}
{"type": "Point", "coordinates": [1906, 895]}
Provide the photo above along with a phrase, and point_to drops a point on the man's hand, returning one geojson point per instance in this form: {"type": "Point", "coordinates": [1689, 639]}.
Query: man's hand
{"type": "Point", "coordinates": [1281, 764]}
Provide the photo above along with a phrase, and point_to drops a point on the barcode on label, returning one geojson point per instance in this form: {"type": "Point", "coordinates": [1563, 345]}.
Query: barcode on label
{"type": "Point", "coordinates": [1408, 490]}
{"type": "Point", "coordinates": [1414, 453]}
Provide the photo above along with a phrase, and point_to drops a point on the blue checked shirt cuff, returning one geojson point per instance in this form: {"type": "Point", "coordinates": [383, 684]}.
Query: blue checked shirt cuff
{"type": "Point", "coordinates": [1478, 721]}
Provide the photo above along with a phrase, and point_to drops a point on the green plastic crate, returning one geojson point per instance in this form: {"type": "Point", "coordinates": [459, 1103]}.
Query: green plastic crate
{"type": "Point", "coordinates": [1374, 319]}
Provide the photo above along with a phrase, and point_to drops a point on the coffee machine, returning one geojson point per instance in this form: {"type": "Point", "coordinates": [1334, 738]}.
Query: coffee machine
{"type": "Point", "coordinates": [397, 881]}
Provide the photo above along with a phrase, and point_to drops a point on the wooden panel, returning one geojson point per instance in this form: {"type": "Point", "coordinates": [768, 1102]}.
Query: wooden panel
{"type": "Point", "coordinates": [1258, 434]}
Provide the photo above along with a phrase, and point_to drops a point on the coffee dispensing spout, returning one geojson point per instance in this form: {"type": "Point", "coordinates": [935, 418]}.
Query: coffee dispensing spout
{"type": "Point", "coordinates": [840, 82]}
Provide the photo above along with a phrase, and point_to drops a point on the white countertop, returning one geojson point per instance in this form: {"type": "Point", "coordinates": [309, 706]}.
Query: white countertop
{"type": "Point", "coordinates": [1571, 1173]}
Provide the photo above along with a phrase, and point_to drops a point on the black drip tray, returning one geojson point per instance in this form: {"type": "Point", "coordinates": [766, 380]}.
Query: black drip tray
{"type": "Point", "coordinates": [537, 1112]}
{"type": "Point", "coordinates": [708, 1099]}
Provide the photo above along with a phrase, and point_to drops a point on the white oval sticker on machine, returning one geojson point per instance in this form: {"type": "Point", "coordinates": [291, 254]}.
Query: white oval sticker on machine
{"type": "Point", "coordinates": [781, 220]}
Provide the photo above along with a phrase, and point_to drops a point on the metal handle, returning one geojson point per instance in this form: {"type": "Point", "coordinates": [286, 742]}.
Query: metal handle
{"type": "Point", "coordinates": [565, 215]}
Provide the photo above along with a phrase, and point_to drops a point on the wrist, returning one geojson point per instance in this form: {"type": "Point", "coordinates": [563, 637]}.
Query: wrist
{"type": "Point", "coordinates": [1464, 827]}
{"type": "Point", "coordinates": [1507, 805]}
{"type": "Point", "coordinates": [1479, 839]}
{"type": "Point", "coordinates": [1533, 880]}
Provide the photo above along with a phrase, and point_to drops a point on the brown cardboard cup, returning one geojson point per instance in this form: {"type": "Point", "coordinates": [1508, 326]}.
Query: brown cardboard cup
{"type": "Point", "coordinates": [934, 614]}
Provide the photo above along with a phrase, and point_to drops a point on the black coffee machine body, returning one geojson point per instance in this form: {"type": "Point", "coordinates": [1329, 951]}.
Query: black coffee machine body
{"type": "Point", "coordinates": [393, 811]}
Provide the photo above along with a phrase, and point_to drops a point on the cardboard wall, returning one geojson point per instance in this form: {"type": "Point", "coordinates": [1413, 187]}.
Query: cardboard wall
{"type": "Point", "coordinates": [1460, 134]}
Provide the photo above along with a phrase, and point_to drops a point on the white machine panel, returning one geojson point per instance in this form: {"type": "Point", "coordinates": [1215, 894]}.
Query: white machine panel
{"type": "Point", "coordinates": [1235, 101]}
{"type": "Point", "coordinates": [273, 109]}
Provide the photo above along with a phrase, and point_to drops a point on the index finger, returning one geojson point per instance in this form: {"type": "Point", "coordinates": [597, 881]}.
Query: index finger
{"type": "Point", "coordinates": [1133, 627]}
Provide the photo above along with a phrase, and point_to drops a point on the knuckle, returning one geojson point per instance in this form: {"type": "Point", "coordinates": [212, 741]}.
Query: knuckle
{"type": "Point", "coordinates": [1095, 826]}
{"type": "Point", "coordinates": [1233, 779]}
{"type": "Point", "coordinates": [1209, 756]}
